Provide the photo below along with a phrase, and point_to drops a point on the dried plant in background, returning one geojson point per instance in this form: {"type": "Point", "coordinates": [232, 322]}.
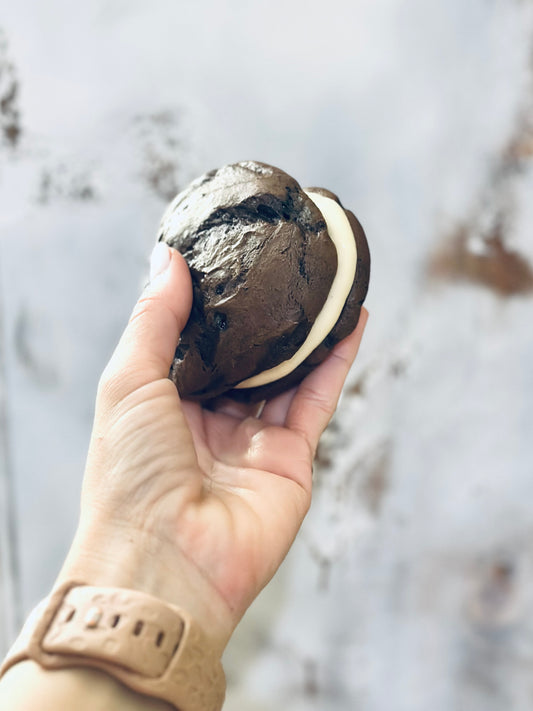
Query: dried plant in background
{"type": "Point", "coordinates": [478, 250]}
{"type": "Point", "coordinates": [10, 128]}
{"type": "Point", "coordinates": [67, 181]}
{"type": "Point", "coordinates": [159, 135]}
{"type": "Point", "coordinates": [483, 259]}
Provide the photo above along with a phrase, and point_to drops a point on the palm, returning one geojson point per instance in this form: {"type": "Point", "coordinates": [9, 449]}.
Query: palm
{"type": "Point", "coordinates": [258, 476]}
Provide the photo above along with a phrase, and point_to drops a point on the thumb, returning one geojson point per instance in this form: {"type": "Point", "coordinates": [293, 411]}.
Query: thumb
{"type": "Point", "coordinates": [147, 346]}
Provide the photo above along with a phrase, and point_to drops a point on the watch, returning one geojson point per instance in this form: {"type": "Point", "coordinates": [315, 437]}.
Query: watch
{"type": "Point", "coordinates": [150, 646]}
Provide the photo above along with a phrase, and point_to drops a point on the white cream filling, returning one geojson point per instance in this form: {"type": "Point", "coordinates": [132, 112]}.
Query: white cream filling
{"type": "Point", "coordinates": [341, 234]}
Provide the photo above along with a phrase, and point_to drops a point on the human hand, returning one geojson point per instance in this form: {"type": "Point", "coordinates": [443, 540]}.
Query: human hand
{"type": "Point", "coordinates": [196, 506]}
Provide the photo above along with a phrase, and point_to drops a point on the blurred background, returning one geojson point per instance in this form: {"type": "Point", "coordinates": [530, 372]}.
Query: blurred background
{"type": "Point", "coordinates": [410, 586]}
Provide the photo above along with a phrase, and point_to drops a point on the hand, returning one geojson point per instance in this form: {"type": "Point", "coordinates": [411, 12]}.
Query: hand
{"type": "Point", "coordinates": [196, 506]}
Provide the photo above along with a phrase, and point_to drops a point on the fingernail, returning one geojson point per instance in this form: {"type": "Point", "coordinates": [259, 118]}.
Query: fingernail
{"type": "Point", "coordinates": [159, 260]}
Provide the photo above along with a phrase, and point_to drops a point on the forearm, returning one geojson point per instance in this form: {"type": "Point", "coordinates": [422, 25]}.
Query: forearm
{"type": "Point", "coordinates": [26, 687]}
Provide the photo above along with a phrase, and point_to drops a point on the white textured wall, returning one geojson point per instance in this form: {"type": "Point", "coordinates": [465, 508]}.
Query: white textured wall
{"type": "Point", "coordinates": [410, 586]}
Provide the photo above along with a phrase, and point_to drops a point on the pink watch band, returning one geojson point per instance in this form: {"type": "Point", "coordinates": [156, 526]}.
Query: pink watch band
{"type": "Point", "coordinates": [150, 646]}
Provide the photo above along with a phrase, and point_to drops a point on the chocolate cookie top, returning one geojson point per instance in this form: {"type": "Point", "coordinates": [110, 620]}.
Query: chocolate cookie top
{"type": "Point", "coordinates": [261, 263]}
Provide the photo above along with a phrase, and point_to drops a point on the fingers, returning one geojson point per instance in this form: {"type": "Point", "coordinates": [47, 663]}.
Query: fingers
{"type": "Point", "coordinates": [239, 410]}
{"type": "Point", "coordinates": [275, 411]}
{"type": "Point", "coordinates": [316, 399]}
{"type": "Point", "coordinates": [146, 349]}
{"type": "Point", "coordinates": [322, 387]}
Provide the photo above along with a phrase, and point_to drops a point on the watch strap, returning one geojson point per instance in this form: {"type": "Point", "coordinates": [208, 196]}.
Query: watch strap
{"type": "Point", "coordinates": [150, 646]}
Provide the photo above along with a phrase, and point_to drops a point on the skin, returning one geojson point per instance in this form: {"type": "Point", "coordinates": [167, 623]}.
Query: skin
{"type": "Point", "coordinates": [196, 506]}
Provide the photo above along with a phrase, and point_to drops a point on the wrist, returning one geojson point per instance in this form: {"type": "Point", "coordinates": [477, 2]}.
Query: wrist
{"type": "Point", "coordinates": [151, 647]}
{"type": "Point", "coordinates": [79, 687]}
{"type": "Point", "coordinates": [119, 557]}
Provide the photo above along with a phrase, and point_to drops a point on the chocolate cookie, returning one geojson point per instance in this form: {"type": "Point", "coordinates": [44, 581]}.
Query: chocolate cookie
{"type": "Point", "coordinates": [263, 266]}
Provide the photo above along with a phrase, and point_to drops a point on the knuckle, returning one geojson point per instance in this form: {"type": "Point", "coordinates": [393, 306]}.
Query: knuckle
{"type": "Point", "coordinates": [111, 386]}
{"type": "Point", "coordinates": [146, 305]}
{"type": "Point", "coordinates": [319, 401]}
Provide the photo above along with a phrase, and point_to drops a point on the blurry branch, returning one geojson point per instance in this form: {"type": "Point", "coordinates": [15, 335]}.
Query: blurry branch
{"type": "Point", "coordinates": [162, 147]}
{"type": "Point", "coordinates": [9, 573]}
{"type": "Point", "coordinates": [478, 250]}
{"type": "Point", "coordinates": [10, 129]}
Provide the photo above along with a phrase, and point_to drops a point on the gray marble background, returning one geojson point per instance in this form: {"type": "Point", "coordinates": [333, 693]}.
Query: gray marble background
{"type": "Point", "coordinates": [410, 585]}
